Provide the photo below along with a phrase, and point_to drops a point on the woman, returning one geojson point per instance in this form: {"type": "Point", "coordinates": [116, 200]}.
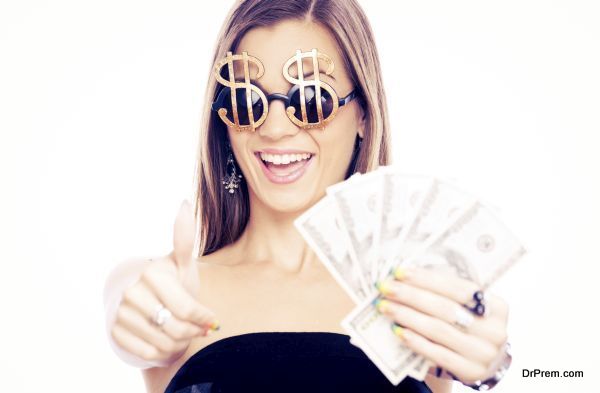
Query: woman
{"type": "Point", "coordinates": [278, 308]}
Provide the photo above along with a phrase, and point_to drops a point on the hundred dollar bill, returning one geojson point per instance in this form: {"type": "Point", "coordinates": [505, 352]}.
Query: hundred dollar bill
{"type": "Point", "coordinates": [320, 229]}
{"type": "Point", "coordinates": [438, 208]}
{"type": "Point", "coordinates": [402, 195]}
{"type": "Point", "coordinates": [371, 331]}
{"type": "Point", "coordinates": [358, 207]}
{"type": "Point", "coordinates": [476, 246]}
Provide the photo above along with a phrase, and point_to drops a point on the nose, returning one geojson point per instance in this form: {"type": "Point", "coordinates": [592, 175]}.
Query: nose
{"type": "Point", "coordinates": [277, 125]}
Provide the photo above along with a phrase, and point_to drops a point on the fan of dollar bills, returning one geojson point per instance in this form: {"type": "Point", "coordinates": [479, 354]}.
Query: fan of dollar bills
{"type": "Point", "coordinates": [370, 223]}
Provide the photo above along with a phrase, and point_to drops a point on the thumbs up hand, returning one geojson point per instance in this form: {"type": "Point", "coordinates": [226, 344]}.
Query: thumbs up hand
{"type": "Point", "coordinates": [159, 314]}
{"type": "Point", "coordinates": [184, 236]}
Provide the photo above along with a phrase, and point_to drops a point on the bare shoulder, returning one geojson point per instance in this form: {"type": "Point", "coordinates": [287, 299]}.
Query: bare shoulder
{"type": "Point", "coordinates": [220, 258]}
{"type": "Point", "coordinates": [217, 272]}
{"type": "Point", "coordinates": [222, 268]}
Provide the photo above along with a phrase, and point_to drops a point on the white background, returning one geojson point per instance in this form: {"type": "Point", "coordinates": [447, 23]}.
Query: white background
{"type": "Point", "coordinates": [99, 113]}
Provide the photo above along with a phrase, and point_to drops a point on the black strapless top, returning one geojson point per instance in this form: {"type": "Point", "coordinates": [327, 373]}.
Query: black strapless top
{"type": "Point", "coordinates": [284, 362]}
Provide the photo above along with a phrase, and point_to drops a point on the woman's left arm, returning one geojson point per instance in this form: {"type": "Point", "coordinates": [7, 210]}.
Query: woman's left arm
{"type": "Point", "coordinates": [436, 317]}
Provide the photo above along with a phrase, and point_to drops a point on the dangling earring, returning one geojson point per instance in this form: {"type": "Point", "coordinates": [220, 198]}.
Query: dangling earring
{"type": "Point", "coordinates": [232, 179]}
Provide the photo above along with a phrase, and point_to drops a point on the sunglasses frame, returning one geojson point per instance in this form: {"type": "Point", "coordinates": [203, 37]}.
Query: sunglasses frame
{"type": "Point", "coordinates": [317, 84]}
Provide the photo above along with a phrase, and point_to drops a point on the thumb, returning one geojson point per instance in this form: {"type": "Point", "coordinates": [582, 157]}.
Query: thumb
{"type": "Point", "coordinates": [184, 236]}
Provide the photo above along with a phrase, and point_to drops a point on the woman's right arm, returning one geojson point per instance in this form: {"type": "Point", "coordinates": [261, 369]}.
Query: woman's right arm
{"type": "Point", "coordinates": [137, 288]}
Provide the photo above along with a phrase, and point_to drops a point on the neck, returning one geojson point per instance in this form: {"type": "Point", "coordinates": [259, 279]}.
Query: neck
{"type": "Point", "coordinates": [271, 237]}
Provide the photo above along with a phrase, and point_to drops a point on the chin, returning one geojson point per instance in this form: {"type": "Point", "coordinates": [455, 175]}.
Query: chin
{"type": "Point", "coordinates": [285, 203]}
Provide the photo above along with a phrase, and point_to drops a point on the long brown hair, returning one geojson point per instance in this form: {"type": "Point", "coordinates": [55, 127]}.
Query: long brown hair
{"type": "Point", "coordinates": [222, 217]}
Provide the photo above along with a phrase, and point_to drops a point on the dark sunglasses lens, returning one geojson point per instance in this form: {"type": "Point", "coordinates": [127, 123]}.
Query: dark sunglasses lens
{"type": "Point", "coordinates": [242, 108]}
{"type": "Point", "coordinates": [310, 95]}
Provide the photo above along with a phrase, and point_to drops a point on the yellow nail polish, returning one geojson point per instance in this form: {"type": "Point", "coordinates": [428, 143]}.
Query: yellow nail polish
{"type": "Point", "coordinates": [215, 326]}
{"type": "Point", "coordinates": [383, 287]}
{"type": "Point", "coordinates": [399, 273]}
{"type": "Point", "coordinates": [398, 331]}
{"type": "Point", "coordinates": [382, 305]}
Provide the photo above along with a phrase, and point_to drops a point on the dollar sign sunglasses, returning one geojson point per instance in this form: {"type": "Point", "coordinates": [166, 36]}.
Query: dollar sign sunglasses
{"type": "Point", "coordinates": [309, 103]}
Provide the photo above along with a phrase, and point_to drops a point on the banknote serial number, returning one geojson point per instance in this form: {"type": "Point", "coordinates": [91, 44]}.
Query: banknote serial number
{"type": "Point", "coordinates": [537, 373]}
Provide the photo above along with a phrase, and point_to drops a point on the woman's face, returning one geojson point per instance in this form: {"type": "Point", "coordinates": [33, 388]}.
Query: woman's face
{"type": "Point", "coordinates": [294, 186]}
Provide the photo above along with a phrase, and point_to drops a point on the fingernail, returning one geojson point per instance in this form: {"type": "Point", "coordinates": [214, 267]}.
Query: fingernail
{"type": "Point", "coordinates": [400, 273]}
{"type": "Point", "coordinates": [398, 331]}
{"type": "Point", "coordinates": [383, 287]}
{"type": "Point", "coordinates": [215, 326]}
{"type": "Point", "coordinates": [382, 305]}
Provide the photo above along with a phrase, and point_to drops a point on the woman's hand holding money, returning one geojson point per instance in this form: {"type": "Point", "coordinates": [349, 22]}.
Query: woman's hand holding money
{"type": "Point", "coordinates": [431, 317]}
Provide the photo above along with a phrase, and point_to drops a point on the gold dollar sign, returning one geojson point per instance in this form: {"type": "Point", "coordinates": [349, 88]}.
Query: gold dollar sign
{"type": "Point", "coordinates": [319, 84]}
{"type": "Point", "coordinates": [246, 84]}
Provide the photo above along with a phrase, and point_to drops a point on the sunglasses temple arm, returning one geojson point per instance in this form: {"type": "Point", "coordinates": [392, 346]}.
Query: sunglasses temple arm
{"type": "Point", "coordinates": [347, 99]}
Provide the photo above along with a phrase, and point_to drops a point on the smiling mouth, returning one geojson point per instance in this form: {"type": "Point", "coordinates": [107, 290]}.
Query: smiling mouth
{"type": "Point", "coordinates": [284, 168]}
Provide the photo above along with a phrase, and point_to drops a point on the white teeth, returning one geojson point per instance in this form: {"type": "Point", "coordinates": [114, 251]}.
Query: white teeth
{"type": "Point", "coordinates": [278, 159]}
